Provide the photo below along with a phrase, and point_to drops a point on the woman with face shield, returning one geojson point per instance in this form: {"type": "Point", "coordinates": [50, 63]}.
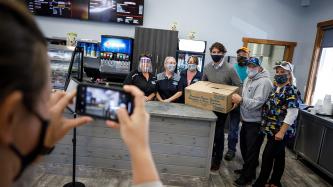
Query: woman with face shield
{"type": "Point", "coordinates": [190, 75]}
{"type": "Point", "coordinates": [168, 89]}
{"type": "Point", "coordinates": [31, 118]}
{"type": "Point", "coordinates": [143, 78]}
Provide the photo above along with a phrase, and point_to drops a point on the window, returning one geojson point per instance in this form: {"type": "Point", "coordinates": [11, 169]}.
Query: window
{"type": "Point", "coordinates": [324, 75]}
{"type": "Point", "coordinates": [320, 75]}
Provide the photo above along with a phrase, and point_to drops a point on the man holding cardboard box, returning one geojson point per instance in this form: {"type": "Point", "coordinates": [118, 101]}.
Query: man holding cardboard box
{"type": "Point", "coordinates": [219, 71]}
{"type": "Point", "coordinates": [256, 90]}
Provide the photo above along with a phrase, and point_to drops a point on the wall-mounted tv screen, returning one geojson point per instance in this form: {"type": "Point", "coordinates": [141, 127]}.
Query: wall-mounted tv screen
{"type": "Point", "coordinates": [118, 11]}
{"type": "Point", "coordinates": [116, 45]}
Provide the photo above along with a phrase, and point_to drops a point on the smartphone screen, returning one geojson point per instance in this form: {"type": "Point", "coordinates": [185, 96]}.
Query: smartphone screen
{"type": "Point", "coordinates": [102, 102]}
{"type": "Point", "coordinates": [73, 83]}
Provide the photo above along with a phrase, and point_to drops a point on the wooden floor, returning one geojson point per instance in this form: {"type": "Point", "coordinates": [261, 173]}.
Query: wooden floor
{"type": "Point", "coordinates": [50, 175]}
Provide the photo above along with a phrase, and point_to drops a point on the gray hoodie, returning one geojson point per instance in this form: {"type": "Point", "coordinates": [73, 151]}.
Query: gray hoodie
{"type": "Point", "coordinates": [255, 94]}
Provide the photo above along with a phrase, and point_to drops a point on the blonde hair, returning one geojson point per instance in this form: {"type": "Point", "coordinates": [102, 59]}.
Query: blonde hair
{"type": "Point", "coordinates": [169, 58]}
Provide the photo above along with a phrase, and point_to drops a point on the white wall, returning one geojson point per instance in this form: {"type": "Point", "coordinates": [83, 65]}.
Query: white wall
{"type": "Point", "coordinates": [226, 21]}
{"type": "Point", "coordinates": [319, 10]}
{"type": "Point", "coordinates": [214, 20]}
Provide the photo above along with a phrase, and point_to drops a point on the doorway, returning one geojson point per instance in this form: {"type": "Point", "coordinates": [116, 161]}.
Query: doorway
{"type": "Point", "coordinates": [270, 51]}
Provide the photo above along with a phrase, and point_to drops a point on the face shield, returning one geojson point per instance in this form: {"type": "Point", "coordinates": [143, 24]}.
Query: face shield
{"type": "Point", "coordinates": [145, 65]}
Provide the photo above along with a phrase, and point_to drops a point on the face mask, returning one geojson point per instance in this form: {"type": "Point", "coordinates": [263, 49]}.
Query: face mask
{"type": "Point", "coordinates": [171, 67]}
{"type": "Point", "coordinates": [26, 160]}
{"type": "Point", "coordinates": [242, 60]}
{"type": "Point", "coordinates": [217, 58]}
{"type": "Point", "coordinates": [251, 72]}
{"type": "Point", "coordinates": [192, 67]}
{"type": "Point", "coordinates": [281, 79]}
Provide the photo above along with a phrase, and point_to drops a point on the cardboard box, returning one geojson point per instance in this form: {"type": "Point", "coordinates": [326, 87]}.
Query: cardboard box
{"type": "Point", "coordinates": [210, 96]}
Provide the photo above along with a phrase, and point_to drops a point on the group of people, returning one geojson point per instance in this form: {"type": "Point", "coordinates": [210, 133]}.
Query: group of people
{"type": "Point", "coordinates": [167, 86]}
{"type": "Point", "coordinates": [264, 107]}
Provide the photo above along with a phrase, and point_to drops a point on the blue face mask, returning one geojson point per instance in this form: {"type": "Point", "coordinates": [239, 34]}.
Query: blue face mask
{"type": "Point", "coordinates": [281, 79]}
{"type": "Point", "coordinates": [192, 67]}
{"type": "Point", "coordinates": [171, 67]}
{"type": "Point", "coordinates": [251, 72]}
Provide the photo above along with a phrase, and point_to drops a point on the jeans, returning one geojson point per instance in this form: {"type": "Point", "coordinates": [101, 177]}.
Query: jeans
{"type": "Point", "coordinates": [234, 119]}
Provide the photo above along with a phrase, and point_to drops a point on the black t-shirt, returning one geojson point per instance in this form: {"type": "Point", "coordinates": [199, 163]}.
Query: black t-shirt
{"type": "Point", "coordinates": [136, 78]}
{"type": "Point", "coordinates": [183, 82]}
{"type": "Point", "coordinates": [168, 87]}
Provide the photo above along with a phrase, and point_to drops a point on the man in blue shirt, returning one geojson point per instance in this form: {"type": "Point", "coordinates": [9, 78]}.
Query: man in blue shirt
{"type": "Point", "coordinates": [243, 55]}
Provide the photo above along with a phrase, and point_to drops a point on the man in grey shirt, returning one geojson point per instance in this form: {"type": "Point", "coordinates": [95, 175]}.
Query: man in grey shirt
{"type": "Point", "coordinates": [256, 90]}
{"type": "Point", "coordinates": [219, 71]}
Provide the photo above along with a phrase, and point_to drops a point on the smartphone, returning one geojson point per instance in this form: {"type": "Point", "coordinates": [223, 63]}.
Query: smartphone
{"type": "Point", "coordinates": [72, 85]}
{"type": "Point", "coordinates": [102, 102]}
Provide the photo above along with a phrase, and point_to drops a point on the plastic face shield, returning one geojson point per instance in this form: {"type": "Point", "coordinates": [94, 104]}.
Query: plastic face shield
{"type": "Point", "coordinates": [145, 65]}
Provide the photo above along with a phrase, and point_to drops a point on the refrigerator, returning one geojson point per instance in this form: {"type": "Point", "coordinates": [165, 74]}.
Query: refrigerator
{"type": "Point", "coordinates": [188, 48]}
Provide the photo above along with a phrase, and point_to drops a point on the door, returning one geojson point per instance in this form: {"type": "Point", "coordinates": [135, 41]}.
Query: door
{"type": "Point", "coordinates": [144, 42]}
{"type": "Point", "coordinates": [270, 51]}
{"type": "Point", "coordinates": [165, 45]}
{"type": "Point", "coordinates": [309, 136]}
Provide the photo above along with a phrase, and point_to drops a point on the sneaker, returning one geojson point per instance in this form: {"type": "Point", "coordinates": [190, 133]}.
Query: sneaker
{"type": "Point", "coordinates": [238, 171]}
{"type": "Point", "coordinates": [229, 155]}
{"type": "Point", "coordinates": [242, 181]}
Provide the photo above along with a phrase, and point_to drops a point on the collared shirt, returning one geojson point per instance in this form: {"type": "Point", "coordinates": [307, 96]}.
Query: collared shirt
{"type": "Point", "coordinates": [136, 78]}
{"type": "Point", "coordinates": [167, 87]}
{"type": "Point", "coordinates": [183, 83]}
{"type": "Point", "coordinates": [275, 110]}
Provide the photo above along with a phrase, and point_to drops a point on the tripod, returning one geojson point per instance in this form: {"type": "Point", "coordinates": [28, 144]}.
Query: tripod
{"type": "Point", "coordinates": [73, 183]}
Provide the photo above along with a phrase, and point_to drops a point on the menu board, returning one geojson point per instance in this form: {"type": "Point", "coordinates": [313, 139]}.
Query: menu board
{"type": "Point", "coordinates": [118, 11]}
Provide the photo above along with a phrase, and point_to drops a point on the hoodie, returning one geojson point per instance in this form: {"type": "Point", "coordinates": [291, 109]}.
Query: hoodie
{"type": "Point", "coordinates": [255, 93]}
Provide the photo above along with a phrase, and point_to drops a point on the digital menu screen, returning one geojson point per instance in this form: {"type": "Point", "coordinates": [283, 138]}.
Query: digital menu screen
{"type": "Point", "coordinates": [116, 45]}
{"type": "Point", "coordinates": [119, 11]}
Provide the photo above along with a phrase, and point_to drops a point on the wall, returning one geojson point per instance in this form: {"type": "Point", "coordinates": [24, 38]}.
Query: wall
{"type": "Point", "coordinates": [220, 20]}
{"type": "Point", "coordinates": [319, 10]}
{"type": "Point", "coordinates": [214, 20]}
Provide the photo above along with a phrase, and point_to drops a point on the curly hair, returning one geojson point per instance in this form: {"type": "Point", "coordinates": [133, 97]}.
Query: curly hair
{"type": "Point", "coordinates": [218, 46]}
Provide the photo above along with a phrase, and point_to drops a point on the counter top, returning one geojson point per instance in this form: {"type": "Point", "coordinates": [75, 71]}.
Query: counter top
{"type": "Point", "coordinates": [329, 119]}
{"type": "Point", "coordinates": [178, 110]}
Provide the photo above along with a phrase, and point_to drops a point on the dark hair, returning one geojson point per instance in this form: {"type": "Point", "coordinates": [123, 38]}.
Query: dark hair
{"type": "Point", "coordinates": [195, 59]}
{"type": "Point", "coordinates": [147, 55]}
{"type": "Point", "coordinates": [23, 54]}
{"type": "Point", "coordinates": [218, 46]}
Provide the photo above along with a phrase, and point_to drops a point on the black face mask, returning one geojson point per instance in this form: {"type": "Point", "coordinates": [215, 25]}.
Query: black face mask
{"type": "Point", "coordinates": [281, 79]}
{"type": "Point", "coordinates": [217, 58]}
{"type": "Point", "coordinates": [242, 60]}
{"type": "Point", "coordinates": [26, 160]}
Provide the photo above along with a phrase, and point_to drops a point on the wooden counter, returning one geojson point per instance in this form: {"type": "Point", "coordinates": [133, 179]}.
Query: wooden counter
{"type": "Point", "coordinates": [181, 140]}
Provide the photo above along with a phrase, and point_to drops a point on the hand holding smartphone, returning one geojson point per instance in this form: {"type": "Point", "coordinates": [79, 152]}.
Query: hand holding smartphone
{"type": "Point", "coordinates": [102, 102]}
